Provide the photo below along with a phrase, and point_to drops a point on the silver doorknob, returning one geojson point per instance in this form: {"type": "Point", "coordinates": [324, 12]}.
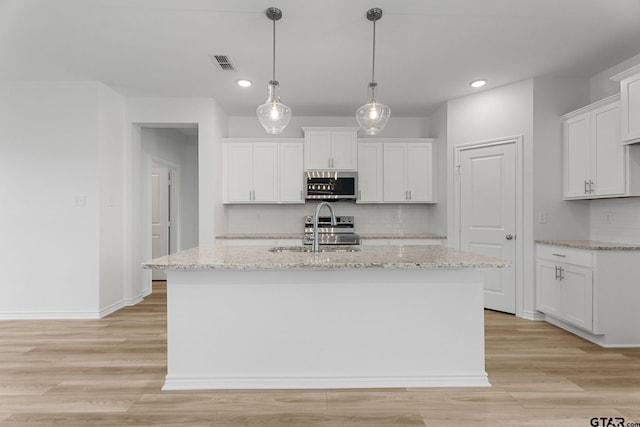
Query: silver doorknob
{"type": "Point", "coordinates": [509, 236]}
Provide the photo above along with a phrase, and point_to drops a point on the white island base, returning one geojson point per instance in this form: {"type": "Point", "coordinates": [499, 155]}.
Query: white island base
{"type": "Point", "coordinates": [310, 328]}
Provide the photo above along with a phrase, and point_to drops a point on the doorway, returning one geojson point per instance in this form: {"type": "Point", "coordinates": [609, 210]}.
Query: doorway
{"type": "Point", "coordinates": [488, 213]}
{"type": "Point", "coordinates": [163, 208]}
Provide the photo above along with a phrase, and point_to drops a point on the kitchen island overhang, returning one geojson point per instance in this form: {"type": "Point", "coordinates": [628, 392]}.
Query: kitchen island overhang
{"type": "Point", "coordinates": [403, 316]}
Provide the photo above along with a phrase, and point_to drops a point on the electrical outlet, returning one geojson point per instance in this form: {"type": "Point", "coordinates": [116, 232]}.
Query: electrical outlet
{"type": "Point", "coordinates": [543, 217]}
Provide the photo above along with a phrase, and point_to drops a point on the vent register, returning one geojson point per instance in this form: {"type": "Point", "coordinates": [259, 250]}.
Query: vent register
{"type": "Point", "coordinates": [223, 62]}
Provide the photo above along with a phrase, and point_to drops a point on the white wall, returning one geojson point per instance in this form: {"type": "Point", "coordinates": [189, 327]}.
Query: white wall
{"type": "Point", "coordinates": [554, 97]}
{"type": "Point", "coordinates": [212, 128]}
{"type": "Point", "coordinates": [61, 244]}
{"type": "Point", "coordinates": [438, 212]}
{"type": "Point", "coordinates": [379, 218]}
{"type": "Point", "coordinates": [111, 174]}
{"type": "Point", "coordinates": [488, 115]}
{"type": "Point", "coordinates": [613, 220]}
{"type": "Point", "coordinates": [177, 150]}
{"type": "Point", "coordinates": [398, 127]}
{"type": "Point", "coordinates": [369, 218]}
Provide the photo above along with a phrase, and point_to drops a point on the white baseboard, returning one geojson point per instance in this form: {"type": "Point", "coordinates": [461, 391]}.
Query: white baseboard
{"type": "Point", "coordinates": [73, 315]}
{"type": "Point", "coordinates": [50, 315]}
{"type": "Point", "coordinates": [231, 383]}
{"type": "Point", "coordinates": [532, 315]}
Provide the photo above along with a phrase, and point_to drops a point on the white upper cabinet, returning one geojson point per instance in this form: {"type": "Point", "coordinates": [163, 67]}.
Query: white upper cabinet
{"type": "Point", "coordinates": [595, 164]}
{"type": "Point", "coordinates": [396, 170]}
{"type": "Point", "coordinates": [330, 148]}
{"type": "Point", "coordinates": [262, 171]}
{"type": "Point", "coordinates": [629, 104]}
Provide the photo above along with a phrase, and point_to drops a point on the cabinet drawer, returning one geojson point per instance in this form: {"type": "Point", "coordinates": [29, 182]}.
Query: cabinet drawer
{"type": "Point", "coordinates": [566, 255]}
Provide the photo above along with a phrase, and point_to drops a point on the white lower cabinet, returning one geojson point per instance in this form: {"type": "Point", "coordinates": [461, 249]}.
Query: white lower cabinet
{"type": "Point", "coordinates": [586, 291]}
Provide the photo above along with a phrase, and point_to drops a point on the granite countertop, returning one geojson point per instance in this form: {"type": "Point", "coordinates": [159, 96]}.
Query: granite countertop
{"type": "Point", "coordinates": [591, 245]}
{"type": "Point", "coordinates": [382, 257]}
{"type": "Point", "coordinates": [301, 235]}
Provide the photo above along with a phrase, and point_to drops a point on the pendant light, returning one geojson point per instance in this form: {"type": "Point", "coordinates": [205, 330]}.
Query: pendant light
{"type": "Point", "coordinates": [273, 115]}
{"type": "Point", "coordinates": [373, 116]}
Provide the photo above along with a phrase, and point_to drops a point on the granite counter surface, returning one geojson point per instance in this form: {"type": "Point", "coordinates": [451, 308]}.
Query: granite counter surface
{"type": "Point", "coordinates": [591, 245]}
{"type": "Point", "coordinates": [275, 236]}
{"type": "Point", "coordinates": [376, 257]}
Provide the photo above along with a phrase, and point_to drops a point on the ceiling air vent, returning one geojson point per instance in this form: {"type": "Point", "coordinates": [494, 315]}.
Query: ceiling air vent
{"type": "Point", "coordinates": [223, 62]}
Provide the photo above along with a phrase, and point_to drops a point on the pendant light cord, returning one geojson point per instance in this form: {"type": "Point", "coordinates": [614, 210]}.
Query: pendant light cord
{"type": "Point", "coordinates": [274, 50]}
{"type": "Point", "coordinates": [373, 66]}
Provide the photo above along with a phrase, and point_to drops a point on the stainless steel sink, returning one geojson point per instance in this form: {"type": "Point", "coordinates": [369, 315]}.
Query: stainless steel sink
{"type": "Point", "coordinates": [280, 249]}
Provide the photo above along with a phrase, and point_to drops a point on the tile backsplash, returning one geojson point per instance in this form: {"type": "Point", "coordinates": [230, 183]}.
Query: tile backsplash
{"type": "Point", "coordinates": [382, 218]}
{"type": "Point", "coordinates": [615, 220]}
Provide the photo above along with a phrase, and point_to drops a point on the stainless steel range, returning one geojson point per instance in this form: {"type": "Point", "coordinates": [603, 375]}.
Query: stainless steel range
{"type": "Point", "coordinates": [343, 233]}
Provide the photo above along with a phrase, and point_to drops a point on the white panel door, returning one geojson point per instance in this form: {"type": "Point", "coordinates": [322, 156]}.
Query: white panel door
{"type": "Point", "coordinates": [394, 171]}
{"type": "Point", "coordinates": [239, 172]}
{"type": "Point", "coordinates": [488, 215]}
{"type": "Point", "coordinates": [159, 217]}
{"type": "Point", "coordinates": [317, 150]}
{"type": "Point", "coordinates": [607, 153]}
{"type": "Point", "coordinates": [291, 172]}
{"type": "Point", "coordinates": [369, 172]}
{"type": "Point", "coordinates": [419, 172]}
{"type": "Point", "coordinates": [577, 156]}
{"type": "Point", "coordinates": [344, 150]}
{"type": "Point", "coordinates": [265, 172]}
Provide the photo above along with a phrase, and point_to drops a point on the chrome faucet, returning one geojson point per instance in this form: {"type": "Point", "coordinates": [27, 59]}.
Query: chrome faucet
{"type": "Point", "coordinates": [315, 223]}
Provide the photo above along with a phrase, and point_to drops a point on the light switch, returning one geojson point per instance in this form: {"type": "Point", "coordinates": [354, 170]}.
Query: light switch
{"type": "Point", "coordinates": [80, 201]}
{"type": "Point", "coordinates": [543, 217]}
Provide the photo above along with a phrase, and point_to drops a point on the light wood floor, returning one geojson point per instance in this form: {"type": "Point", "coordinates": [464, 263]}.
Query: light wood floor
{"type": "Point", "coordinates": [109, 372]}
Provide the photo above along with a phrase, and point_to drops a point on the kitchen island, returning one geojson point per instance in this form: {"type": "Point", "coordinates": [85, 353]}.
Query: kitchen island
{"type": "Point", "coordinates": [382, 316]}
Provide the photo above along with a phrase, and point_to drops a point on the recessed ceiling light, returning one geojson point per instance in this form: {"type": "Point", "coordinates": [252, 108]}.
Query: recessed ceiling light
{"type": "Point", "coordinates": [244, 83]}
{"type": "Point", "coordinates": [478, 83]}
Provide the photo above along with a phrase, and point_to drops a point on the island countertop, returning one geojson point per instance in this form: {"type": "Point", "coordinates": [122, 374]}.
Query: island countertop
{"type": "Point", "coordinates": [367, 257]}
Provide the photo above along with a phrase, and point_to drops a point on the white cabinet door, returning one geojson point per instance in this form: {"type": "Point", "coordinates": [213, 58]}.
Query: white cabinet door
{"type": "Point", "coordinates": [330, 149]}
{"type": "Point", "coordinates": [239, 171]}
{"type": "Point", "coordinates": [548, 288]}
{"type": "Point", "coordinates": [419, 172]}
{"type": "Point", "coordinates": [577, 156]}
{"type": "Point", "coordinates": [317, 150]}
{"type": "Point", "coordinates": [394, 171]}
{"type": "Point", "coordinates": [577, 298]}
{"type": "Point", "coordinates": [607, 154]}
{"type": "Point", "coordinates": [265, 172]}
{"type": "Point", "coordinates": [370, 172]}
{"type": "Point", "coordinates": [630, 108]}
{"type": "Point", "coordinates": [344, 150]}
{"type": "Point", "coordinates": [291, 173]}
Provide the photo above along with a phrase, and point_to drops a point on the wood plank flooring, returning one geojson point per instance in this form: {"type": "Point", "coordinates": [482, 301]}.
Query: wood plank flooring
{"type": "Point", "coordinates": [109, 372]}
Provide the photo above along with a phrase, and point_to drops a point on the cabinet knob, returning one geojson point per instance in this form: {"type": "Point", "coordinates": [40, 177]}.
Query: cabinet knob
{"type": "Point", "coordinates": [509, 237]}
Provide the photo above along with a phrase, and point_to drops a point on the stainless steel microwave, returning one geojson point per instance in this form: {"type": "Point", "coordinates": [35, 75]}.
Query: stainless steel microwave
{"type": "Point", "coordinates": [330, 185]}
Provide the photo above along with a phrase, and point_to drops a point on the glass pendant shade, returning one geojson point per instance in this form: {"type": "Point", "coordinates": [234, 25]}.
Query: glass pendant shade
{"type": "Point", "coordinates": [273, 115]}
{"type": "Point", "coordinates": [373, 116]}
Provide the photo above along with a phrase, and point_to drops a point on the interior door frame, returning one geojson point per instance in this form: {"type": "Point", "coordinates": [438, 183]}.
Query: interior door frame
{"type": "Point", "coordinates": [455, 239]}
{"type": "Point", "coordinates": [174, 201]}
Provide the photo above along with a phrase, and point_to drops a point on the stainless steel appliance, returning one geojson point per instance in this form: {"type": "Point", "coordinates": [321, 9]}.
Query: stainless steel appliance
{"type": "Point", "coordinates": [330, 185]}
{"type": "Point", "coordinates": [343, 233]}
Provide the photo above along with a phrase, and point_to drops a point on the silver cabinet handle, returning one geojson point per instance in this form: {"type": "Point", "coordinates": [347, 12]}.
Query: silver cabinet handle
{"type": "Point", "coordinates": [509, 237]}
{"type": "Point", "coordinates": [591, 190]}
{"type": "Point", "coordinates": [560, 255]}
{"type": "Point", "coordinates": [561, 270]}
{"type": "Point", "coordinates": [557, 275]}
{"type": "Point", "coordinates": [586, 183]}
{"type": "Point", "coordinates": [409, 194]}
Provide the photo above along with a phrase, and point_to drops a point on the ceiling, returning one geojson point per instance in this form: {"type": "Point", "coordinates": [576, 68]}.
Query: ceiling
{"type": "Point", "coordinates": [427, 50]}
